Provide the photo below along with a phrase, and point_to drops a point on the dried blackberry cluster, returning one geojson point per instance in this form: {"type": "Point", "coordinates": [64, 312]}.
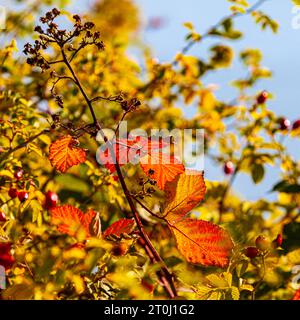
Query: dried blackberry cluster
{"type": "Point", "coordinates": [131, 105]}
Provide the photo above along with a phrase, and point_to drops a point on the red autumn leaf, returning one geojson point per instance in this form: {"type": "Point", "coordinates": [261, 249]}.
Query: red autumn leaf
{"type": "Point", "coordinates": [296, 295]}
{"type": "Point", "coordinates": [71, 220]}
{"type": "Point", "coordinates": [64, 153]}
{"type": "Point", "coordinates": [128, 150]}
{"type": "Point", "coordinates": [202, 242]}
{"type": "Point", "coordinates": [122, 226]}
{"type": "Point", "coordinates": [122, 149]}
{"type": "Point", "coordinates": [161, 167]}
{"type": "Point", "coordinates": [183, 194]}
{"type": "Point", "coordinates": [6, 259]}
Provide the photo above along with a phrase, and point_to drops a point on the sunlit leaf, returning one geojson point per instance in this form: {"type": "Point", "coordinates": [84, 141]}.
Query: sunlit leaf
{"type": "Point", "coordinates": [183, 194]}
{"type": "Point", "coordinates": [71, 220]}
{"type": "Point", "coordinates": [122, 226]}
{"type": "Point", "coordinates": [64, 153]}
{"type": "Point", "coordinates": [161, 167]}
{"type": "Point", "coordinates": [202, 242]}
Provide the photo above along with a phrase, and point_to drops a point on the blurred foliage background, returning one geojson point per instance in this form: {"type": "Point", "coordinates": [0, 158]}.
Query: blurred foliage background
{"type": "Point", "coordinates": [41, 263]}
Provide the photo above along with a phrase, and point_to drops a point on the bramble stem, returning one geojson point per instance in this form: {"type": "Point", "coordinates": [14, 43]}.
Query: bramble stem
{"type": "Point", "coordinates": [165, 275]}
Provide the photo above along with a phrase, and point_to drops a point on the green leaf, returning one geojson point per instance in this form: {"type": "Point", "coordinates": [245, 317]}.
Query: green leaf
{"type": "Point", "coordinates": [172, 261]}
{"type": "Point", "coordinates": [257, 173]}
{"type": "Point", "coordinates": [72, 183]}
{"type": "Point", "coordinates": [291, 233]}
{"type": "Point", "coordinates": [285, 187]}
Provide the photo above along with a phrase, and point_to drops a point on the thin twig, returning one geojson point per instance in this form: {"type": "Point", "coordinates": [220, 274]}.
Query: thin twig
{"type": "Point", "coordinates": [147, 209]}
{"type": "Point", "coordinates": [225, 193]}
{"type": "Point", "coordinates": [167, 277]}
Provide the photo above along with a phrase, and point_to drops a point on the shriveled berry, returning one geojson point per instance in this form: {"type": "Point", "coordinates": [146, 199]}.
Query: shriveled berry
{"type": "Point", "coordinates": [251, 252]}
{"type": "Point", "coordinates": [119, 249]}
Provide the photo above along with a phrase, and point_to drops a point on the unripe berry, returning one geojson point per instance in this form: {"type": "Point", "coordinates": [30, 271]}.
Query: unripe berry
{"type": "Point", "coordinates": [262, 243]}
{"type": "Point", "coordinates": [262, 98]}
{"type": "Point", "coordinates": [284, 124]}
{"type": "Point", "coordinates": [13, 193]}
{"type": "Point", "coordinates": [296, 125]}
{"type": "Point", "coordinates": [2, 216]}
{"type": "Point", "coordinates": [23, 196]}
{"type": "Point", "coordinates": [19, 174]}
{"type": "Point", "coordinates": [51, 200]}
{"type": "Point", "coordinates": [251, 252]}
{"type": "Point", "coordinates": [228, 168]}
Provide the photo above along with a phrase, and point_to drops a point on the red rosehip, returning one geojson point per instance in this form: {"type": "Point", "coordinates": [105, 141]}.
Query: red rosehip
{"type": "Point", "coordinates": [2, 216]}
{"type": "Point", "coordinates": [284, 124]}
{"type": "Point", "coordinates": [19, 174]}
{"type": "Point", "coordinates": [262, 243]}
{"type": "Point", "coordinates": [23, 196]}
{"type": "Point", "coordinates": [262, 98]}
{"type": "Point", "coordinates": [296, 125]}
{"type": "Point", "coordinates": [6, 259]}
{"type": "Point", "coordinates": [13, 193]}
{"type": "Point", "coordinates": [228, 167]}
{"type": "Point", "coordinates": [251, 252]}
{"type": "Point", "coordinates": [51, 200]}
{"type": "Point", "coordinates": [278, 241]}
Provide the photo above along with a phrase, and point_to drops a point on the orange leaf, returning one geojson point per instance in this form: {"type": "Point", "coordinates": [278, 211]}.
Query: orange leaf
{"type": "Point", "coordinates": [183, 194]}
{"type": "Point", "coordinates": [122, 226]}
{"type": "Point", "coordinates": [70, 220]}
{"type": "Point", "coordinates": [161, 167]}
{"type": "Point", "coordinates": [64, 153]}
{"type": "Point", "coordinates": [202, 242]}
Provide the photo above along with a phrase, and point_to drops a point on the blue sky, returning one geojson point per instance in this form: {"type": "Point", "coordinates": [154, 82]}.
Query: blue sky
{"type": "Point", "coordinates": [281, 55]}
